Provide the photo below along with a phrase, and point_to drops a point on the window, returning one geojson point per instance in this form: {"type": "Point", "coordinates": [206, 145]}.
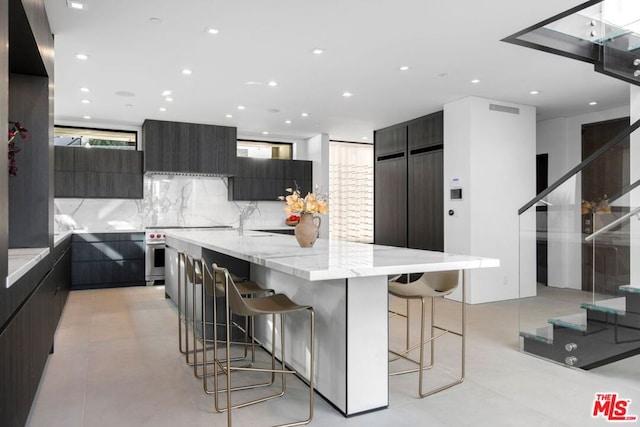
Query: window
{"type": "Point", "coordinates": [264, 150]}
{"type": "Point", "coordinates": [351, 191]}
{"type": "Point", "coordinates": [85, 137]}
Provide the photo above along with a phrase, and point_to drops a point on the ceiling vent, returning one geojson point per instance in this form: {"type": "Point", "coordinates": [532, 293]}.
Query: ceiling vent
{"type": "Point", "coordinates": [504, 109]}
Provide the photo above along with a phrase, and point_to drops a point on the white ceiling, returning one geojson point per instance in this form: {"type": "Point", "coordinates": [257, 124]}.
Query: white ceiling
{"type": "Point", "coordinates": [446, 44]}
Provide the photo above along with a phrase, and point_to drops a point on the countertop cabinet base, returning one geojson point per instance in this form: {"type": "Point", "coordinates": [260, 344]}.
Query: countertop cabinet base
{"type": "Point", "coordinates": [28, 339]}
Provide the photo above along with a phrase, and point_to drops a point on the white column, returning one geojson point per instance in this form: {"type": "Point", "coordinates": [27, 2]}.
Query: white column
{"type": "Point", "coordinates": [317, 150]}
{"type": "Point", "coordinates": [489, 147]}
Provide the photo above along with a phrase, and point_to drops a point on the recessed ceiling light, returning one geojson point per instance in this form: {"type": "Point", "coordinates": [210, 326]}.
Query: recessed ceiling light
{"type": "Point", "coordinates": [273, 83]}
{"type": "Point", "coordinates": [404, 68]}
{"type": "Point", "coordinates": [186, 71]}
{"type": "Point", "coordinates": [210, 30]}
{"type": "Point", "coordinates": [86, 101]}
{"type": "Point", "coordinates": [241, 107]}
{"type": "Point", "coordinates": [347, 94]}
{"type": "Point", "coordinates": [264, 132]}
{"type": "Point", "coordinates": [318, 51]}
{"type": "Point", "coordinates": [86, 117]}
{"type": "Point", "coordinates": [365, 137]}
{"type": "Point", "coordinates": [534, 92]}
{"type": "Point", "coordinates": [305, 114]}
{"type": "Point", "coordinates": [125, 93]}
{"type": "Point", "coordinates": [228, 116]}
{"type": "Point", "coordinates": [163, 109]}
{"type": "Point", "coordinates": [166, 92]}
{"type": "Point", "coordinates": [76, 5]}
{"type": "Point", "coordinates": [168, 99]}
{"type": "Point", "coordinates": [82, 56]}
{"type": "Point", "coordinates": [84, 89]}
{"type": "Point", "coordinates": [593, 103]}
{"type": "Point", "coordinates": [474, 81]}
{"type": "Point", "coordinates": [155, 21]}
{"type": "Point", "coordinates": [128, 105]}
{"type": "Point", "coordinates": [288, 122]}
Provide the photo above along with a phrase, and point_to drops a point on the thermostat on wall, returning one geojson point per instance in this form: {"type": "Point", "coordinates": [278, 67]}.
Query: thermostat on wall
{"type": "Point", "coordinates": [456, 194]}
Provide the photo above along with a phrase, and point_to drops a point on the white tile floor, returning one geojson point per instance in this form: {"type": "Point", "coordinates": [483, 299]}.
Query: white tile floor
{"type": "Point", "coordinates": [116, 364]}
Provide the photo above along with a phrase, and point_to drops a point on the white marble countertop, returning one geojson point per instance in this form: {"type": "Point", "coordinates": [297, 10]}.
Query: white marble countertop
{"type": "Point", "coordinates": [59, 237]}
{"type": "Point", "coordinates": [327, 259]}
{"type": "Point", "coordinates": [22, 260]}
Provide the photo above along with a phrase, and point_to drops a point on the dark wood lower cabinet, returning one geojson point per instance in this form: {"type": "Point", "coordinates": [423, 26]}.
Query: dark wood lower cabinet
{"type": "Point", "coordinates": [107, 260]}
{"type": "Point", "coordinates": [27, 340]}
{"type": "Point", "coordinates": [425, 205]}
{"type": "Point", "coordinates": [391, 202]}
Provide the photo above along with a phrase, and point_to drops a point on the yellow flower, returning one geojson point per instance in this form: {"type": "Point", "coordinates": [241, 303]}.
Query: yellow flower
{"type": "Point", "coordinates": [311, 203]}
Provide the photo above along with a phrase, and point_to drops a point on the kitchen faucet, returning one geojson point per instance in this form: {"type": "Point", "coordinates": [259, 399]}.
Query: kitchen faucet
{"type": "Point", "coordinates": [245, 213]}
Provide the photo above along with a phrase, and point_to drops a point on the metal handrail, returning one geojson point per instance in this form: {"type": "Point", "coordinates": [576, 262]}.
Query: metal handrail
{"type": "Point", "coordinates": [612, 224]}
{"type": "Point", "coordinates": [586, 162]}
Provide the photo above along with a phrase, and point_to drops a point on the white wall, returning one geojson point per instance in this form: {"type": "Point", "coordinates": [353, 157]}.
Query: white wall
{"type": "Point", "coordinates": [493, 155]}
{"type": "Point", "coordinates": [316, 149]}
{"type": "Point", "coordinates": [561, 138]}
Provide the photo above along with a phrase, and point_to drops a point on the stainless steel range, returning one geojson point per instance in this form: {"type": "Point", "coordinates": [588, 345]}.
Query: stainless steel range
{"type": "Point", "coordinates": [154, 255]}
{"type": "Point", "coordinates": [154, 264]}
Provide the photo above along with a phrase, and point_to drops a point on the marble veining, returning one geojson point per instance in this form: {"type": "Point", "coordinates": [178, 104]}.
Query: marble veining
{"type": "Point", "coordinates": [327, 259]}
{"type": "Point", "coordinates": [169, 200]}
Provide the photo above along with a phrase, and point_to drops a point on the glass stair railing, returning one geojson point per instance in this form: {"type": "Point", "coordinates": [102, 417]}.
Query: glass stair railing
{"type": "Point", "coordinates": [605, 33]}
{"type": "Point", "coordinates": [587, 314]}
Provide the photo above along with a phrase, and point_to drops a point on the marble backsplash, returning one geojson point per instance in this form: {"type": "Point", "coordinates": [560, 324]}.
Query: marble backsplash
{"type": "Point", "coordinates": [169, 200]}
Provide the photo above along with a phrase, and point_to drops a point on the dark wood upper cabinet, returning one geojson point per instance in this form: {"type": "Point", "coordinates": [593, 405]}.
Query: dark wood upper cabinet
{"type": "Point", "coordinates": [266, 179]}
{"type": "Point", "coordinates": [98, 173]}
{"type": "Point", "coordinates": [426, 131]}
{"type": "Point", "coordinates": [189, 148]}
{"type": "Point", "coordinates": [390, 140]}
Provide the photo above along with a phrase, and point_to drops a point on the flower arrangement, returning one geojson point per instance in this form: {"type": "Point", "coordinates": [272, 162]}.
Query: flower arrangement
{"type": "Point", "coordinates": [600, 205]}
{"type": "Point", "coordinates": [15, 131]}
{"type": "Point", "coordinates": [309, 204]}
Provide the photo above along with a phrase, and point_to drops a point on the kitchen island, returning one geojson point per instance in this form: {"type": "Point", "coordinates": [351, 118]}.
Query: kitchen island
{"type": "Point", "coordinates": [347, 285]}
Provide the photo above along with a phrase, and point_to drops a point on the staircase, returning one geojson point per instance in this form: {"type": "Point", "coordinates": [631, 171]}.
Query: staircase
{"type": "Point", "coordinates": [606, 328]}
{"type": "Point", "coordinates": [604, 33]}
{"type": "Point", "coordinates": [605, 332]}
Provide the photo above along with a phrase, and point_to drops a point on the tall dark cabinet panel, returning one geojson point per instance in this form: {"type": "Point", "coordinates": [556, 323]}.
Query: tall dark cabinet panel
{"type": "Point", "coordinates": [28, 309]}
{"type": "Point", "coordinates": [189, 148]}
{"type": "Point", "coordinates": [409, 184]}
{"type": "Point", "coordinates": [390, 201]}
{"type": "Point", "coordinates": [425, 205]}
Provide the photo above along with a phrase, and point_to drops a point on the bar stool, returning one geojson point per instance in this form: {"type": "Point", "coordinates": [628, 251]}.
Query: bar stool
{"type": "Point", "coordinates": [430, 285]}
{"type": "Point", "coordinates": [213, 290]}
{"type": "Point", "coordinates": [189, 274]}
{"type": "Point", "coordinates": [278, 304]}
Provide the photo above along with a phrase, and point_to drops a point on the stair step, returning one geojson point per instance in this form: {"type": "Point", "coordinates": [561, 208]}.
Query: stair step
{"type": "Point", "coordinates": [543, 334]}
{"type": "Point", "coordinates": [612, 306]}
{"type": "Point", "coordinates": [633, 289]}
{"type": "Point", "coordinates": [577, 322]}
